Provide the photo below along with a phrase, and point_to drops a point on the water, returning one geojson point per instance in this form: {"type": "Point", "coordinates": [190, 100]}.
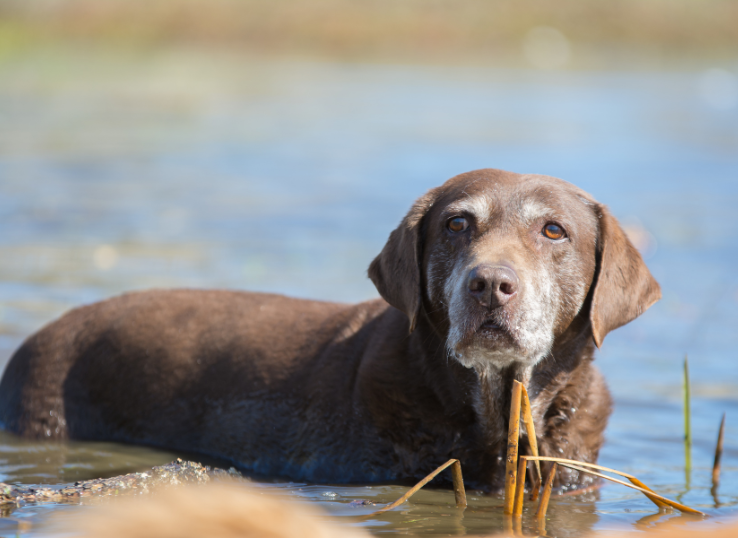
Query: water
{"type": "Point", "coordinates": [129, 171]}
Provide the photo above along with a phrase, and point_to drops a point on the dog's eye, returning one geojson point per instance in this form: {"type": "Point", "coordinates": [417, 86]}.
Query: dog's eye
{"type": "Point", "coordinates": [553, 231]}
{"type": "Point", "coordinates": [457, 224]}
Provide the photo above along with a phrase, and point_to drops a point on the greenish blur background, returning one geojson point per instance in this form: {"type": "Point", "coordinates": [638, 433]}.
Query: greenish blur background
{"type": "Point", "coordinates": [597, 34]}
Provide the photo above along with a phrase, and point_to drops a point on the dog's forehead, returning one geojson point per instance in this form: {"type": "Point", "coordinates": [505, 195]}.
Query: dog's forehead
{"type": "Point", "coordinates": [489, 193]}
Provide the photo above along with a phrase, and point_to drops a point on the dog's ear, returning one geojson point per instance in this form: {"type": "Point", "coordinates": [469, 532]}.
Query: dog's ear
{"type": "Point", "coordinates": [396, 271]}
{"type": "Point", "coordinates": [624, 287]}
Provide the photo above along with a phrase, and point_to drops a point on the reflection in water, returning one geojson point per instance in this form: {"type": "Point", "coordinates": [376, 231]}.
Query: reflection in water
{"type": "Point", "coordinates": [23, 461]}
{"type": "Point", "coordinates": [666, 520]}
{"type": "Point", "coordinates": [163, 170]}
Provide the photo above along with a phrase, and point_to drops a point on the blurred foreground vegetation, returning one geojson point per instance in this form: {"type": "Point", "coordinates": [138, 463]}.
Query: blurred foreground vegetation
{"type": "Point", "coordinates": [593, 33]}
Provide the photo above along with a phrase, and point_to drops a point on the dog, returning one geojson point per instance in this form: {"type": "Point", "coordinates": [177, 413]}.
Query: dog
{"type": "Point", "coordinates": [489, 278]}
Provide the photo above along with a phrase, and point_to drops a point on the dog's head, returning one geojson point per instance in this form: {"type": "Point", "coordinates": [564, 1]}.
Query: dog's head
{"type": "Point", "coordinates": [503, 263]}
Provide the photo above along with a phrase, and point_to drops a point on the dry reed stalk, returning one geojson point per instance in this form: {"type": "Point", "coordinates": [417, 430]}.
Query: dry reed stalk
{"type": "Point", "coordinates": [658, 502]}
{"type": "Point", "coordinates": [585, 467]}
{"type": "Point", "coordinates": [630, 477]}
{"type": "Point", "coordinates": [535, 487]}
{"type": "Point", "coordinates": [536, 478]}
{"type": "Point", "coordinates": [530, 430]}
{"type": "Point", "coordinates": [513, 434]}
{"type": "Point", "coordinates": [541, 524]}
{"type": "Point", "coordinates": [517, 526]}
{"type": "Point", "coordinates": [520, 488]}
{"type": "Point", "coordinates": [718, 455]}
{"type": "Point", "coordinates": [545, 496]}
{"type": "Point", "coordinates": [458, 480]}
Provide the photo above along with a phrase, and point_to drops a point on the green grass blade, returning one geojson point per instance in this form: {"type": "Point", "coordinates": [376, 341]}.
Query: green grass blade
{"type": "Point", "coordinates": [687, 424]}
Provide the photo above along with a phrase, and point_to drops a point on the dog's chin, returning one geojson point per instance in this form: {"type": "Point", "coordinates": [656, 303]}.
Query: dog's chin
{"type": "Point", "coordinates": [491, 344]}
{"type": "Point", "coordinates": [493, 331]}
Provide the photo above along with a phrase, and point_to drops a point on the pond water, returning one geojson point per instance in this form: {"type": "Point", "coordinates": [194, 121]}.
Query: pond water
{"type": "Point", "coordinates": [129, 171]}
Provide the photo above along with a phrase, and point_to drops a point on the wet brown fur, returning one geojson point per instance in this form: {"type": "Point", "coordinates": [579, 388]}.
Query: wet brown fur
{"type": "Point", "coordinates": [330, 392]}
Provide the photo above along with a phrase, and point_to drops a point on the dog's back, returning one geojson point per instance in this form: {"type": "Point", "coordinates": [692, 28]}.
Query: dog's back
{"type": "Point", "coordinates": [154, 367]}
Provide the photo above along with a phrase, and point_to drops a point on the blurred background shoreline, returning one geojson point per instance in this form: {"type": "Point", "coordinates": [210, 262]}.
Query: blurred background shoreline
{"type": "Point", "coordinates": [619, 34]}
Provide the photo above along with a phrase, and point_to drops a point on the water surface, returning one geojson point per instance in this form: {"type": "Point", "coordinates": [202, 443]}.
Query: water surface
{"type": "Point", "coordinates": [122, 172]}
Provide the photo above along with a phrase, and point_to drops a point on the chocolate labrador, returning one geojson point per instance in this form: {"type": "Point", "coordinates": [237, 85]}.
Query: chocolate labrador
{"type": "Point", "coordinates": [491, 277]}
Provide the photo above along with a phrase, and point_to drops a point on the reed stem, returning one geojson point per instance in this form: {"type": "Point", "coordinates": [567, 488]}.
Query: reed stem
{"type": "Point", "coordinates": [546, 495]}
{"type": "Point", "coordinates": [687, 423]}
{"type": "Point", "coordinates": [458, 480]}
{"type": "Point", "coordinates": [530, 430]}
{"type": "Point", "coordinates": [718, 456]}
{"type": "Point", "coordinates": [585, 467]}
{"type": "Point", "coordinates": [513, 434]}
{"type": "Point", "coordinates": [520, 487]}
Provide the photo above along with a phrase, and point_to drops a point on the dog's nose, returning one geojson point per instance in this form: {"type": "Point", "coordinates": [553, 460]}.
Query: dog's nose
{"type": "Point", "coordinates": [492, 285]}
